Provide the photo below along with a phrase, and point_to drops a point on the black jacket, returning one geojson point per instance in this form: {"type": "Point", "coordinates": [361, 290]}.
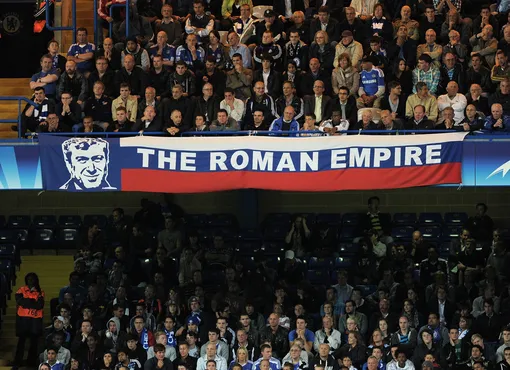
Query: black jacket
{"type": "Point", "coordinates": [137, 81]}
{"type": "Point", "coordinates": [326, 57]}
{"type": "Point", "coordinates": [159, 81]}
{"type": "Point", "coordinates": [358, 29]}
{"type": "Point", "coordinates": [152, 364]}
{"type": "Point", "coordinates": [482, 78]}
{"type": "Point", "coordinates": [409, 49]}
{"type": "Point", "coordinates": [401, 108]}
{"type": "Point", "coordinates": [274, 83]}
{"type": "Point", "coordinates": [459, 76]}
{"type": "Point", "coordinates": [503, 99]}
{"type": "Point", "coordinates": [279, 340]}
{"type": "Point", "coordinates": [108, 80]}
{"type": "Point", "coordinates": [351, 110]}
{"type": "Point", "coordinates": [208, 108]}
{"type": "Point", "coordinates": [171, 104]}
{"type": "Point", "coordinates": [279, 6]}
{"type": "Point", "coordinates": [71, 118]}
{"type": "Point", "coordinates": [449, 355]}
{"type": "Point", "coordinates": [425, 124]}
{"type": "Point", "coordinates": [333, 29]}
{"type": "Point", "coordinates": [308, 79]}
{"type": "Point", "coordinates": [154, 126]}
{"type": "Point", "coordinates": [190, 362]}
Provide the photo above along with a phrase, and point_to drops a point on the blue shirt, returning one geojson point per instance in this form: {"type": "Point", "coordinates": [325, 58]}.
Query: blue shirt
{"type": "Point", "coordinates": [49, 89]}
{"type": "Point", "coordinates": [57, 366]}
{"type": "Point", "coordinates": [168, 53]}
{"type": "Point", "coordinates": [274, 364]}
{"type": "Point", "coordinates": [309, 335]}
{"type": "Point", "coordinates": [183, 53]}
{"type": "Point", "coordinates": [380, 366]}
{"type": "Point", "coordinates": [246, 366]}
{"type": "Point", "coordinates": [371, 80]}
{"type": "Point", "coordinates": [75, 49]}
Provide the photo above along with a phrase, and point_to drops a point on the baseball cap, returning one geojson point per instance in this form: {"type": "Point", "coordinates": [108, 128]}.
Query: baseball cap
{"type": "Point", "coordinates": [59, 318]}
{"type": "Point", "coordinates": [289, 255]}
{"type": "Point", "coordinates": [194, 299]}
{"type": "Point", "coordinates": [269, 13]}
{"type": "Point", "coordinates": [193, 320]}
{"type": "Point", "coordinates": [347, 33]}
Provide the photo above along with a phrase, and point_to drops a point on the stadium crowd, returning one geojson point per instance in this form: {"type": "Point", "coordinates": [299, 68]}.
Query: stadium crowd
{"type": "Point", "coordinates": [149, 292]}
{"type": "Point", "coordinates": [325, 65]}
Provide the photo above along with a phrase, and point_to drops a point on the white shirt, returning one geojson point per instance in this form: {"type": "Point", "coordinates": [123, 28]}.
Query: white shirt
{"type": "Point", "coordinates": [221, 364]}
{"type": "Point", "coordinates": [318, 108]}
{"type": "Point", "coordinates": [237, 112]}
{"type": "Point", "coordinates": [265, 76]}
{"type": "Point", "coordinates": [458, 103]}
{"type": "Point", "coordinates": [441, 311]}
{"type": "Point", "coordinates": [288, 8]}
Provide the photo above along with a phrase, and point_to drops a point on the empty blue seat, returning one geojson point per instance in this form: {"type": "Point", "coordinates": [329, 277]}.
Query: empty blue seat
{"type": "Point", "coordinates": [318, 277]}
{"type": "Point", "coordinates": [348, 233]}
{"type": "Point", "coordinates": [273, 249]}
{"type": "Point", "coordinates": [229, 233]}
{"type": "Point", "coordinates": [69, 221]}
{"type": "Point", "coordinates": [43, 238]}
{"type": "Point", "coordinates": [7, 268]}
{"type": "Point", "coordinates": [222, 219]}
{"type": "Point", "coordinates": [402, 233]}
{"type": "Point", "coordinates": [430, 218]}
{"type": "Point", "coordinates": [348, 249]}
{"type": "Point", "coordinates": [455, 218]}
{"type": "Point", "coordinates": [19, 222]}
{"type": "Point", "coordinates": [351, 219]}
{"type": "Point", "coordinates": [333, 219]}
{"type": "Point", "coordinates": [451, 232]}
{"type": "Point", "coordinates": [100, 220]}
{"type": "Point", "coordinates": [343, 263]}
{"type": "Point", "coordinates": [277, 219]}
{"type": "Point", "coordinates": [67, 238]}
{"type": "Point", "coordinates": [318, 263]}
{"type": "Point", "coordinates": [198, 219]}
{"type": "Point", "coordinates": [275, 232]}
{"type": "Point", "coordinates": [8, 252]}
{"type": "Point", "coordinates": [250, 234]}
{"type": "Point", "coordinates": [45, 221]}
{"type": "Point", "coordinates": [8, 236]}
{"type": "Point", "coordinates": [431, 233]}
{"type": "Point", "coordinates": [247, 248]}
{"type": "Point", "coordinates": [404, 219]}
{"type": "Point", "coordinates": [310, 218]}
{"type": "Point", "coordinates": [366, 290]}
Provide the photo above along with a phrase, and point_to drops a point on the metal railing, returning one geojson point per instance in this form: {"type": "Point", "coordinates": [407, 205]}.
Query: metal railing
{"type": "Point", "coordinates": [303, 133]}
{"type": "Point", "coordinates": [19, 99]}
{"type": "Point", "coordinates": [110, 28]}
{"type": "Point", "coordinates": [65, 28]}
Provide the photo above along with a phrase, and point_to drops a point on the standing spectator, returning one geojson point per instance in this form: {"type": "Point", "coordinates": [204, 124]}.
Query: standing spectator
{"type": "Point", "coordinates": [481, 224]}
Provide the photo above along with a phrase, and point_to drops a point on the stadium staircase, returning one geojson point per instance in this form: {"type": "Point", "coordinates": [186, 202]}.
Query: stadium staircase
{"type": "Point", "coordinates": [20, 86]}
{"type": "Point", "coordinates": [53, 272]}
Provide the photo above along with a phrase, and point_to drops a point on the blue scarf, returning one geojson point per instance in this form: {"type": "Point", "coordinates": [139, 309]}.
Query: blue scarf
{"type": "Point", "coordinates": [170, 338]}
{"type": "Point", "coordinates": [144, 339]}
{"type": "Point", "coordinates": [436, 334]}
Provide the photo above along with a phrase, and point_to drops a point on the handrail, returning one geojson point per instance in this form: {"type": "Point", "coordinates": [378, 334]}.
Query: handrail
{"type": "Point", "coordinates": [134, 133]}
{"type": "Point", "coordinates": [67, 28]}
{"type": "Point", "coordinates": [127, 17]}
{"type": "Point", "coordinates": [309, 133]}
{"type": "Point", "coordinates": [19, 99]}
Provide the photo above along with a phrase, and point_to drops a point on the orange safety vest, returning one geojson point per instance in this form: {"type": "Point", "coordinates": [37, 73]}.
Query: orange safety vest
{"type": "Point", "coordinates": [29, 312]}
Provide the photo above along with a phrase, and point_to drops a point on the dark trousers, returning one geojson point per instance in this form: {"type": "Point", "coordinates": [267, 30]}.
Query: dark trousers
{"type": "Point", "coordinates": [33, 356]}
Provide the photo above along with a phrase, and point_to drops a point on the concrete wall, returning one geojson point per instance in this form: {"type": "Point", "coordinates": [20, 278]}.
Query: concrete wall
{"type": "Point", "coordinates": [403, 200]}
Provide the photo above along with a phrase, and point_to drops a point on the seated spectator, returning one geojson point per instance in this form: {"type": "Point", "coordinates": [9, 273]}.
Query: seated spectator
{"type": "Point", "coordinates": [402, 47]}
{"type": "Point", "coordinates": [52, 124]}
{"type": "Point", "coordinates": [176, 126]}
{"type": "Point", "coordinates": [177, 101]}
{"type": "Point", "coordinates": [354, 349]}
{"type": "Point", "coordinates": [485, 44]}
{"type": "Point", "coordinates": [399, 72]}
{"type": "Point", "coordinates": [389, 121]}
{"type": "Point", "coordinates": [345, 103]}
{"type": "Point", "coordinates": [430, 21]}
{"type": "Point", "coordinates": [207, 104]}
{"type": "Point", "coordinates": [419, 120]}
{"type": "Point", "coordinates": [59, 61]}
{"type": "Point", "coordinates": [456, 47]}
{"type": "Point", "coordinates": [286, 122]}
{"type": "Point", "coordinates": [424, 98]}
{"type": "Point", "coordinates": [185, 358]}
{"type": "Point", "coordinates": [127, 101]}
{"type": "Point", "coordinates": [268, 46]}
{"type": "Point", "coordinates": [426, 72]}
{"type": "Point", "coordinates": [288, 98]}
{"type": "Point", "coordinates": [115, 335]}
{"type": "Point", "coordinates": [350, 23]}
{"type": "Point", "coordinates": [150, 99]}
{"type": "Point", "coordinates": [170, 25]}
{"type": "Point", "coordinates": [502, 96]}
{"type": "Point", "coordinates": [46, 78]}
{"type": "Point", "coordinates": [501, 69]}
{"type": "Point", "coordinates": [111, 54]}
{"type": "Point", "coordinates": [484, 18]}
{"type": "Point", "coordinates": [199, 23]}
{"type": "Point", "coordinates": [239, 78]}
{"type": "Point", "coordinates": [504, 42]}
{"type": "Point", "coordinates": [139, 54]}
{"type": "Point", "coordinates": [183, 77]}
{"type": "Point", "coordinates": [58, 338]}
{"type": "Point", "coordinates": [319, 103]}
{"type": "Point", "coordinates": [163, 48]}
{"type": "Point", "coordinates": [300, 26]}
{"type": "Point", "coordinates": [200, 124]}
{"type": "Point", "coordinates": [216, 51]}
{"type": "Point", "coordinates": [372, 86]}
{"type": "Point", "coordinates": [213, 75]}
{"type": "Point", "coordinates": [237, 48]}
{"type": "Point", "coordinates": [315, 73]}
{"type": "Point", "coordinates": [258, 122]}
{"type": "Point", "coordinates": [412, 26]}
{"type": "Point", "coordinates": [322, 50]}
{"type": "Point", "coordinates": [438, 332]}
{"type": "Point", "coordinates": [324, 21]}
{"type": "Point", "coordinates": [296, 50]}
{"type": "Point", "coordinates": [105, 75]}
{"type": "Point", "coordinates": [52, 363]}
{"type": "Point", "coordinates": [158, 77]}
{"type": "Point", "coordinates": [401, 362]}
{"type": "Point", "coordinates": [211, 355]}
{"type": "Point", "coordinates": [32, 116]}
{"type": "Point", "coordinates": [190, 53]}
{"type": "Point", "coordinates": [473, 120]}
{"type": "Point", "coordinates": [159, 361]}
{"type": "Point", "coordinates": [244, 26]}
{"type": "Point", "coordinates": [351, 47]}
{"type": "Point", "coordinates": [497, 121]}
{"type": "Point", "coordinates": [73, 82]}
{"type": "Point", "coordinates": [377, 52]}
{"type": "Point", "coordinates": [260, 100]}
{"type": "Point", "coordinates": [366, 122]}
{"type": "Point", "coordinates": [168, 351]}
{"type": "Point", "coordinates": [451, 71]}
{"type": "Point", "coordinates": [271, 78]}
{"type": "Point", "coordinates": [223, 122]}
{"type": "Point", "coordinates": [125, 360]}
{"type": "Point", "coordinates": [480, 75]}
{"type": "Point", "coordinates": [121, 123]}
{"type": "Point", "coordinates": [273, 24]}
{"type": "Point", "coordinates": [431, 48]}
{"type": "Point", "coordinates": [233, 106]}
{"type": "Point", "coordinates": [149, 121]}
{"type": "Point", "coordinates": [82, 53]}
{"type": "Point", "coordinates": [454, 100]}
{"type": "Point", "coordinates": [345, 75]}
{"type": "Point", "coordinates": [380, 26]}
{"type": "Point", "coordinates": [135, 77]}
{"type": "Point", "coordinates": [394, 101]}
{"type": "Point", "coordinates": [454, 22]}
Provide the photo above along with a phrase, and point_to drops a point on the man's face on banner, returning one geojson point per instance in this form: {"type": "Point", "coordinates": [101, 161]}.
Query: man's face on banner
{"type": "Point", "coordinates": [88, 166]}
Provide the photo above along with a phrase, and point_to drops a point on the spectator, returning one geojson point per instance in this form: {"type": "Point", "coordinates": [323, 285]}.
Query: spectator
{"type": "Point", "coordinates": [401, 74]}
{"type": "Point", "coordinates": [345, 75]}
{"type": "Point", "coordinates": [372, 86]}
{"type": "Point", "coordinates": [346, 105]}
{"type": "Point", "coordinates": [351, 47]}
{"type": "Point", "coordinates": [480, 75]}
{"type": "Point", "coordinates": [59, 61]}
{"type": "Point", "coordinates": [453, 22]}
{"type": "Point", "coordinates": [403, 47]}
{"type": "Point", "coordinates": [426, 72]}
{"type": "Point", "coordinates": [175, 126]}
{"type": "Point", "coordinates": [72, 81]}
{"type": "Point", "coordinates": [237, 48]}
{"type": "Point", "coordinates": [268, 46]}
{"type": "Point", "coordinates": [233, 106]}
{"type": "Point", "coordinates": [322, 50]}
{"type": "Point", "coordinates": [163, 48]}
{"type": "Point", "coordinates": [411, 25]}
{"type": "Point", "coordinates": [135, 77]}
{"type": "Point", "coordinates": [300, 26]}
{"type": "Point", "coordinates": [170, 25]}
{"type": "Point", "coordinates": [456, 47]}
{"type": "Point", "coordinates": [454, 100]}
{"type": "Point", "coordinates": [424, 98]}
{"type": "Point", "coordinates": [315, 73]}
{"type": "Point", "coordinates": [199, 23]}
{"type": "Point", "coordinates": [273, 24]}
{"type": "Point", "coordinates": [223, 122]}
{"type": "Point", "coordinates": [431, 48]}
{"type": "Point", "coordinates": [277, 336]}
{"type": "Point", "coordinates": [379, 25]}
{"type": "Point", "coordinates": [183, 77]}
{"type": "Point", "coordinates": [366, 122]}
{"type": "Point", "coordinates": [473, 121]}
{"type": "Point", "coordinates": [485, 44]}
{"type": "Point", "coordinates": [502, 96]}
{"type": "Point", "coordinates": [288, 98]}
{"type": "Point", "coordinates": [287, 122]}
{"type": "Point", "coordinates": [296, 50]}
{"type": "Point", "coordinates": [451, 71]}
{"type": "Point", "coordinates": [82, 53]}
{"type": "Point", "coordinates": [240, 78]}
{"type": "Point", "coordinates": [244, 26]}
{"type": "Point", "coordinates": [394, 102]}
{"type": "Point", "coordinates": [351, 23]}
{"type": "Point", "coordinates": [388, 122]}
{"type": "Point", "coordinates": [103, 74]}
{"type": "Point", "coordinates": [502, 69]}
{"type": "Point", "coordinates": [419, 121]}
{"type": "Point", "coordinates": [127, 101]}
{"type": "Point", "coordinates": [211, 355]}
{"type": "Point", "coordinates": [139, 54]}
{"type": "Point", "coordinates": [111, 55]}
{"type": "Point", "coordinates": [149, 121]}
{"type": "Point", "coordinates": [497, 122]}
{"type": "Point", "coordinates": [150, 99]}
{"type": "Point", "coordinates": [47, 78]}
{"type": "Point", "coordinates": [33, 115]}
{"type": "Point", "coordinates": [326, 23]}
{"type": "Point", "coordinates": [318, 104]}
{"type": "Point", "coordinates": [191, 54]}
{"type": "Point", "coordinates": [269, 76]}
{"type": "Point", "coordinates": [68, 111]}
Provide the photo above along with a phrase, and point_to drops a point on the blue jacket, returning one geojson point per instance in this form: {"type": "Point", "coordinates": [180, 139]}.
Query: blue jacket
{"type": "Point", "coordinates": [278, 124]}
{"type": "Point", "coordinates": [489, 125]}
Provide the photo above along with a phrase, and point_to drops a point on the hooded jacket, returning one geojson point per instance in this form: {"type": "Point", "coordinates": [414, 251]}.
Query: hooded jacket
{"type": "Point", "coordinates": [114, 341]}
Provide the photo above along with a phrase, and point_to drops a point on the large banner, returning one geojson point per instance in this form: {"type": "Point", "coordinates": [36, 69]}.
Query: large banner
{"type": "Point", "coordinates": [204, 164]}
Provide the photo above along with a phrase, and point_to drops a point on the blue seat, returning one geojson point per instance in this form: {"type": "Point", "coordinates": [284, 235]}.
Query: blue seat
{"type": "Point", "coordinates": [404, 219]}
{"type": "Point", "coordinates": [45, 221]}
{"type": "Point", "coordinates": [6, 267]}
{"type": "Point", "coordinates": [8, 251]}
{"type": "Point", "coordinates": [100, 220]}
{"type": "Point", "coordinates": [197, 220]}
{"type": "Point", "coordinates": [3, 222]}
{"type": "Point", "coordinates": [273, 248]}
{"type": "Point", "coordinates": [348, 249]}
{"type": "Point", "coordinates": [318, 277]}
{"type": "Point", "coordinates": [247, 248]}
{"type": "Point", "coordinates": [8, 236]}
{"type": "Point", "coordinates": [43, 238]}
{"type": "Point", "coordinates": [366, 290]}
{"type": "Point", "coordinates": [351, 219]}
{"type": "Point", "coordinates": [311, 218]}
{"type": "Point", "coordinates": [275, 232]}
{"type": "Point", "coordinates": [430, 218]}
{"type": "Point", "coordinates": [278, 219]}
{"type": "Point", "coordinates": [19, 222]}
{"type": "Point", "coordinates": [455, 218]}
{"type": "Point", "coordinates": [348, 233]}
{"type": "Point", "coordinates": [444, 250]}
{"type": "Point", "coordinates": [69, 221]}
{"type": "Point", "coordinates": [343, 263]}
{"type": "Point", "coordinates": [229, 233]}
{"type": "Point", "coordinates": [222, 219]}
{"type": "Point", "coordinates": [451, 232]}
{"type": "Point", "coordinates": [250, 234]}
{"type": "Point", "coordinates": [402, 233]}
{"type": "Point", "coordinates": [317, 263]}
{"type": "Point", "coordinates": [431, 233]}
{"type": "Point", "coordinates": [67, 238]}
{"type": "Point", "coordinates": [333, 219]}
